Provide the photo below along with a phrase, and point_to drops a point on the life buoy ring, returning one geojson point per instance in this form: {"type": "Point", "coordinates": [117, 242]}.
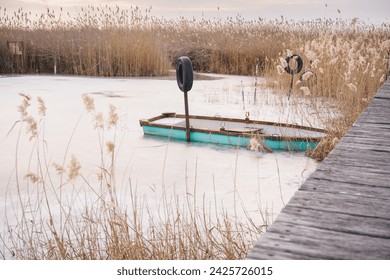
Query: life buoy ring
{"type": "Point", "coordinates": [297, 69]}
{"type": "Point", "coordinates": [184, 73]}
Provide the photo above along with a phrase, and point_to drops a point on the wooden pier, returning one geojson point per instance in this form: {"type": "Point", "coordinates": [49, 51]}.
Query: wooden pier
{"type": "Point", "coordinates": [342, 211]}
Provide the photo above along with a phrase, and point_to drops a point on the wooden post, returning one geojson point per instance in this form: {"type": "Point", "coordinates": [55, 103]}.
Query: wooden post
{"type": "Point", "coordinates": [17, 51]}
{"type": "Point", "coordinates": [187, 117]}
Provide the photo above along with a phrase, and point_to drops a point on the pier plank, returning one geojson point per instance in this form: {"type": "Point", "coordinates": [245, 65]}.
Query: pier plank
{"type": "Point", "coordinates": [329, 220]}
{"type": "Point", "coordinates": [343, 203]}
{"type": "Point", "coordinates": [362, 189]}
{"type": "Point", "coordinates": [342, 211]}
{"type": "Point", "coordinates": [315, 243]}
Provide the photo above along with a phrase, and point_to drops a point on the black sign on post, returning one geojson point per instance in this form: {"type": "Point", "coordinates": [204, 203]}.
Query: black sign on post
{"type": "Point", "coordinates": [185, 78]}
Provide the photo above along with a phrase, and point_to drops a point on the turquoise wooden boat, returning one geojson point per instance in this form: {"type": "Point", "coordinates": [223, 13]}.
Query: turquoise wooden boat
{"type": "Point", "coordinates": [259, 135]}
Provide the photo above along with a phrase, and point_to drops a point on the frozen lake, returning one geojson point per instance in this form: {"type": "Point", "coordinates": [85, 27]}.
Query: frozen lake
{"type": "Point", "coordinates": [213, 174]}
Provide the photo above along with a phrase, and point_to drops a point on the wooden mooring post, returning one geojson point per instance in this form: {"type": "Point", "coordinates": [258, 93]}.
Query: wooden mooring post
{"type": "Point", "coordinates": [342, 211]}
{"type": "Point", "coordinates": [17, 51]}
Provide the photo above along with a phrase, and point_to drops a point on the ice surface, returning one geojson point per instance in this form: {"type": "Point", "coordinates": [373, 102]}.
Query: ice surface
{"type": "Point", "coordinates": [152, 165]}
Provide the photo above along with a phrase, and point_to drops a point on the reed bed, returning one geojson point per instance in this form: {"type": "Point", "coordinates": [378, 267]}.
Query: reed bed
{"type": "Point", "coordinates": [96, 42]}
{"type": "Point", "coordinates": [344, 65]}
{"type": "Point", "coordinates": [110, 41]}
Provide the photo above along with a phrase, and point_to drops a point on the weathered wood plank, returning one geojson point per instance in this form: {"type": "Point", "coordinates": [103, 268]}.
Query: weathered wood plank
{"type": "Point", "coordinates": [367, 124]}
{"type": "Point", "coordinates": [371, 151]}
{"type": "Point", "coordinates": [343, 210]}
{"type": "Point", "coordinates": [350, 143]}
{"type": "Point", "coordinates": [353, 178]}
{"type": "Point", "coordinates": [367, 148]}
{"type": "Point", "coordinates": [377, 120]}
{"type": "Point", "coordinates": [358, 172]}
{"type": "Point", "coordinates": [378, 107]}
{"type": "Point", "coordinates": [364, 166]}
{"type": "Point", "coordinates": [327, 186]}
{"type": "Point", "coordinates": [367, 129]}
{"type": "Point", "coordinates": [383, 97]}
{"type": "Point", "coordinates": [302, 242]}
{"type": "Point", "coordinates": [371, 141]}
{"type": "Point", "coordinates": [342, 203]}
{"type": "Point", "coordinates": [328, 220]}
{"type": "Point", "coordinates": [372, 128]}
{"type": "Point", "coordinates": [356, 153]}
{"type": "Point", "coordinates": [383, 92]}
{"type": "Point", "coordinates": [354, 173]}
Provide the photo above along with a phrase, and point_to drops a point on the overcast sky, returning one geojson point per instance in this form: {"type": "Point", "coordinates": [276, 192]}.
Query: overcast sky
{"type": "Point", "coordinates": [374, 11]}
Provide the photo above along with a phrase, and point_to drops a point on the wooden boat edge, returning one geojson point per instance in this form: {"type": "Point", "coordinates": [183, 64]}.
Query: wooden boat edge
{"type": "Point", "coordinates": [149, 122]}
{"type": "Point", "coordinates": [247, 120]}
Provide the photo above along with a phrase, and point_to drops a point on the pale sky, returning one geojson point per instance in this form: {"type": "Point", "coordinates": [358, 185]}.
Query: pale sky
{"type": "Point", "coordinates": [373, 11]}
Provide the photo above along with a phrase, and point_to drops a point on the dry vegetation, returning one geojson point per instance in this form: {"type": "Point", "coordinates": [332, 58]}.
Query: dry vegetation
{"type": "Point", "coordinates": [348, 61]}
{"type": "Point", "coordinates": [96, 42]}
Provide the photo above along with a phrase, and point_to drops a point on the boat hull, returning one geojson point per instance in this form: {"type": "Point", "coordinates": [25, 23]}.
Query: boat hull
{"type": "Point", "coordinates": [271, 143]}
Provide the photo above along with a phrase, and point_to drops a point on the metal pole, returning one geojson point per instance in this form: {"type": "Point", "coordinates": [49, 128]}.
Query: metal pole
{"type": "Point", "coordinates": [256, 72]}
{"type": "Point", "coordinates": [187, 117]}
{"type": "Point", "coordinates": [243, 98]}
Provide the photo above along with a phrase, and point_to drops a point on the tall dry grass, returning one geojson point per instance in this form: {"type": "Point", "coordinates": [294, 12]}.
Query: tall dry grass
{"type": "Point", "coordinates": [345, 64]}
{"type": "Point", "coordinates": [112, 41]}
{"type": "Point", "coordinates": [97, 41]}
{"type": "Point", "coordinates": [60, 211]}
